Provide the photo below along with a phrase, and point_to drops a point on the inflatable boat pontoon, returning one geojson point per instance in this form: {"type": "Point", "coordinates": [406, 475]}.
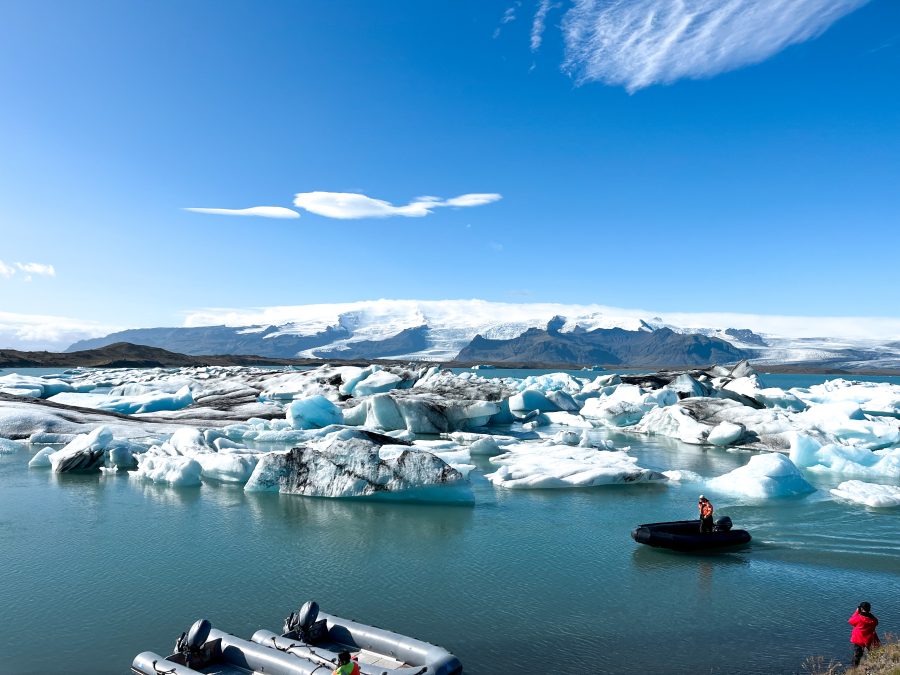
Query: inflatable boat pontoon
{"type": "Point", "coordinates": [685, 535]}
{"type": "Point", "coordinates": [309, 645]}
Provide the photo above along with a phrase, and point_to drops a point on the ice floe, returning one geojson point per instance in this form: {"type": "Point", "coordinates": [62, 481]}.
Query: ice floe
{"type": "Point", "coordinates": [870, 494]}
{"type": "Point", "coordinates": [532, 466]}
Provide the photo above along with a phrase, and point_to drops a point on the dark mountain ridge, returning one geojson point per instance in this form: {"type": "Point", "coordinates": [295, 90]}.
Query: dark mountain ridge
{"type": "Point", "coordinates": [605, 346]}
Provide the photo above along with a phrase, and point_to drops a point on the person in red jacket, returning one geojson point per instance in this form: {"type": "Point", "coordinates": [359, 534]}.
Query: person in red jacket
{"type": "Point", "coordinates": [706, 514]}
{"type": "Point", "coordinates": [863, 636]}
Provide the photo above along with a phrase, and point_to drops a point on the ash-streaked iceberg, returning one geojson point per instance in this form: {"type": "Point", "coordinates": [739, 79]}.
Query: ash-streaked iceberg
{"type": "Point", "coordinates": [347, 464]}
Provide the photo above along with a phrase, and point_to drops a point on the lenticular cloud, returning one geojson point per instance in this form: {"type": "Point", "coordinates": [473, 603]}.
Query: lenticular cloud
{"type": "Point", "coordinates": [637, 43]}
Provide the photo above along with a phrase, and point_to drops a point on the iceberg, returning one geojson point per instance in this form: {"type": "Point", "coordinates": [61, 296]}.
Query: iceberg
{"type": "Point", "coordinates": [313, 412]}
{"type": "Point", "coordinates": [379, 382]}
{"type": "Point", "coordinates": [347, 463]}
{"type": "Point", "coordinates": [627, 404]}
{"type": "Point", "coordinates": [41, 458]}
{"type": "Point", "coordinates": [86, 453]}
{"type": "Point", "coordinates": [153, 401]}
{"type": "Point", "coordinates": [175, 471]}
{"type": "Point", "coordinates": [539, 466]}
{"type": "Point", "coordinates": [846, 460]}
{"type": "Point", "coordinates": [8, 447]}
{"type": "Point", "coordinates": [880, 398]}
{"type": "Point", "coordinates": [766, 475]}
{"type": "Point", "coordinates": [869, 494]}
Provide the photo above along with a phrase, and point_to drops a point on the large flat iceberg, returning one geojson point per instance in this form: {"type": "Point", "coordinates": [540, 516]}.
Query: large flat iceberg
{"type": "Point", "coordinates": [531, 465]}
{"type": "Point", "coordinates": [869, 494]}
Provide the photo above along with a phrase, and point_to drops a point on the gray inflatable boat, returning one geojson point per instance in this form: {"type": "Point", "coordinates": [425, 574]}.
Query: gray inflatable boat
{"type": "Point", "coordinates": [309, 645]}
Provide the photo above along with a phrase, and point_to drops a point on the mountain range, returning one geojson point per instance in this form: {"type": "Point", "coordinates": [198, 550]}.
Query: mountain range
{"type": "Point", "coordinates": [478, 331]}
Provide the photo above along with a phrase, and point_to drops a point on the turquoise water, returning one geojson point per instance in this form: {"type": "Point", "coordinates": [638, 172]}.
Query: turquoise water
{"type": "Point", "coordinates": [94, 569]}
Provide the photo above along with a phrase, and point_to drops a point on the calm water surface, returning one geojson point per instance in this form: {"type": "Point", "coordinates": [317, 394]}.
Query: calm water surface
{"type": "Point", "coordinates": [94, 569]}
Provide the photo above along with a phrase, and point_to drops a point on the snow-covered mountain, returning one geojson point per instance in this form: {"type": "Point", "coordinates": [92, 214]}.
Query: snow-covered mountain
{"type": "Point", "coordinates": [439, 330]}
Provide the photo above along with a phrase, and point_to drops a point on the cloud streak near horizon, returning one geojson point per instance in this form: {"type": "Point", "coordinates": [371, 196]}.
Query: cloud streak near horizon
{"type": "Point", "coordinates": [259, 211]}
{"type": "Point", "coordinates": [638, 43]}
{"type": "Point", "coordinates": [9, 271]}
{"type": "Point", "coordinates": [351, 205]}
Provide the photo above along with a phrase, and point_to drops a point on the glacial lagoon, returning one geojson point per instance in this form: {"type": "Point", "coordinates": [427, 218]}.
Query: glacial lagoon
{"type": "Point", "coordinates": [96, 568]}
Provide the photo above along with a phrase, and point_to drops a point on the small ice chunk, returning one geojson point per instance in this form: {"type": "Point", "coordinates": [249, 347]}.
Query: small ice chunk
{"type": "Point", "coordinates": [726, 433]}
{"type": "Point", "coordinates": [175, 471]}
{"type": "Point", "coordinates": [683, 476]}
{"type": "Point", "coordinates": [41, 458]}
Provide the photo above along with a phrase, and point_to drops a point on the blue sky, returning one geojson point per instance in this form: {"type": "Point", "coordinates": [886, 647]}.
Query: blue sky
{"type": "Point", "coordinates": [749, 163]}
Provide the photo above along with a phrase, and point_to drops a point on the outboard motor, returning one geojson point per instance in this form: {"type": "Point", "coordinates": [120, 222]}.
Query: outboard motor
{"type": "Point", "coordinates": [301, 621]}
{"type": "Point", "coordinates": [723, 524]}
{"type": "Point", "coordinates": [190, 644]}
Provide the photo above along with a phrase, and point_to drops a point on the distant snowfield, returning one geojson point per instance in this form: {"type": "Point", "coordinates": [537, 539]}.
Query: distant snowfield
{"type": "Point", "coordinates": [453, 324]}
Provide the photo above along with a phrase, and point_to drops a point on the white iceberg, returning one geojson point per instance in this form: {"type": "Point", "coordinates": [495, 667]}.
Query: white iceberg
{"type": "Point", "coordinates": [532, 466]}
{"type": "Point", "coordinates": [41, 458]}
{"type": "Point", "coordinates": [870, 494]}
{"type": "Point", "coordinates": [767, 475]}
{"type": "Point", "coordinates": [175, 471]}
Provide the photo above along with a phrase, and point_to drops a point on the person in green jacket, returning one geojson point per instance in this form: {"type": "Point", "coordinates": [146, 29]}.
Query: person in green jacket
{"type": "Point", "coordinates": [345, 665]}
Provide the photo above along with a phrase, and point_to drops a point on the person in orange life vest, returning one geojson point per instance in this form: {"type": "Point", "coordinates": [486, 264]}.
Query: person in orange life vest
{"type": "Point", "coordinates": [706, 514]}
{"type": "Point", "coordinates": [863, 636]}
{"type": "Point", "coordinates": [346, 666]}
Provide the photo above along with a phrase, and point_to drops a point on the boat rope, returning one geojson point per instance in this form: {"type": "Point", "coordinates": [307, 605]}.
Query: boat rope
{"type": "Point", "coordinates": [162, 672]}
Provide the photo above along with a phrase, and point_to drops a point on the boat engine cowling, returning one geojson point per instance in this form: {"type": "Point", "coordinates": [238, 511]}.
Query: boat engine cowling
{"type": "Point", "coordinates": [303, 619]}
{"type": "Point", "coordinates": [723, 524]}
{"type": "Point", "coordinates": [191, 644]}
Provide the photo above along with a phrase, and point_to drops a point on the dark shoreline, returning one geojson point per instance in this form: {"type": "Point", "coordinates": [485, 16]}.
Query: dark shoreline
{"type": "Point", "coordinates": [127, 355]}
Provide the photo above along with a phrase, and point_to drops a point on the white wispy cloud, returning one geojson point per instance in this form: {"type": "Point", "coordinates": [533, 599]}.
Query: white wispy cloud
{"type": "Point", "coordinates": [8, 271]}
{"type": "Point", "coordinates": [37, 268]}
{"type": "Point", "coordinates": [44, 331]}
{"type": "Point", "coordinates": [350, 205]}
{"type": "Point", "coordinates": [509, 15]}
{"type": "Point", "coordinates": [259, 211]}
{"type": "Point", "coordinates": [637, 43]}
{"type": "Point", "coordinates": [538, 23]}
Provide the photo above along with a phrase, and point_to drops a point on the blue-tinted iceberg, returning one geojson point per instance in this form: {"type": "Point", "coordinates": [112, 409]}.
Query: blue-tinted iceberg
{"type": "Point", "coordinates": [767, 475]}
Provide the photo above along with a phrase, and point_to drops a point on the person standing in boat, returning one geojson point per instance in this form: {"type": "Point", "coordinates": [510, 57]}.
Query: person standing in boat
{"type": "Point", "coordinates": [706, 514]}
{"type": "Point", "coordinates": [345, 665]}
{"type": "Point", "coordinates": [863, 636]}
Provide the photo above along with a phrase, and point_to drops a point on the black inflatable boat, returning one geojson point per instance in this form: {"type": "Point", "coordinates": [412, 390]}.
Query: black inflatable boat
{"type": "Point", "coordinates": [685, 535]}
